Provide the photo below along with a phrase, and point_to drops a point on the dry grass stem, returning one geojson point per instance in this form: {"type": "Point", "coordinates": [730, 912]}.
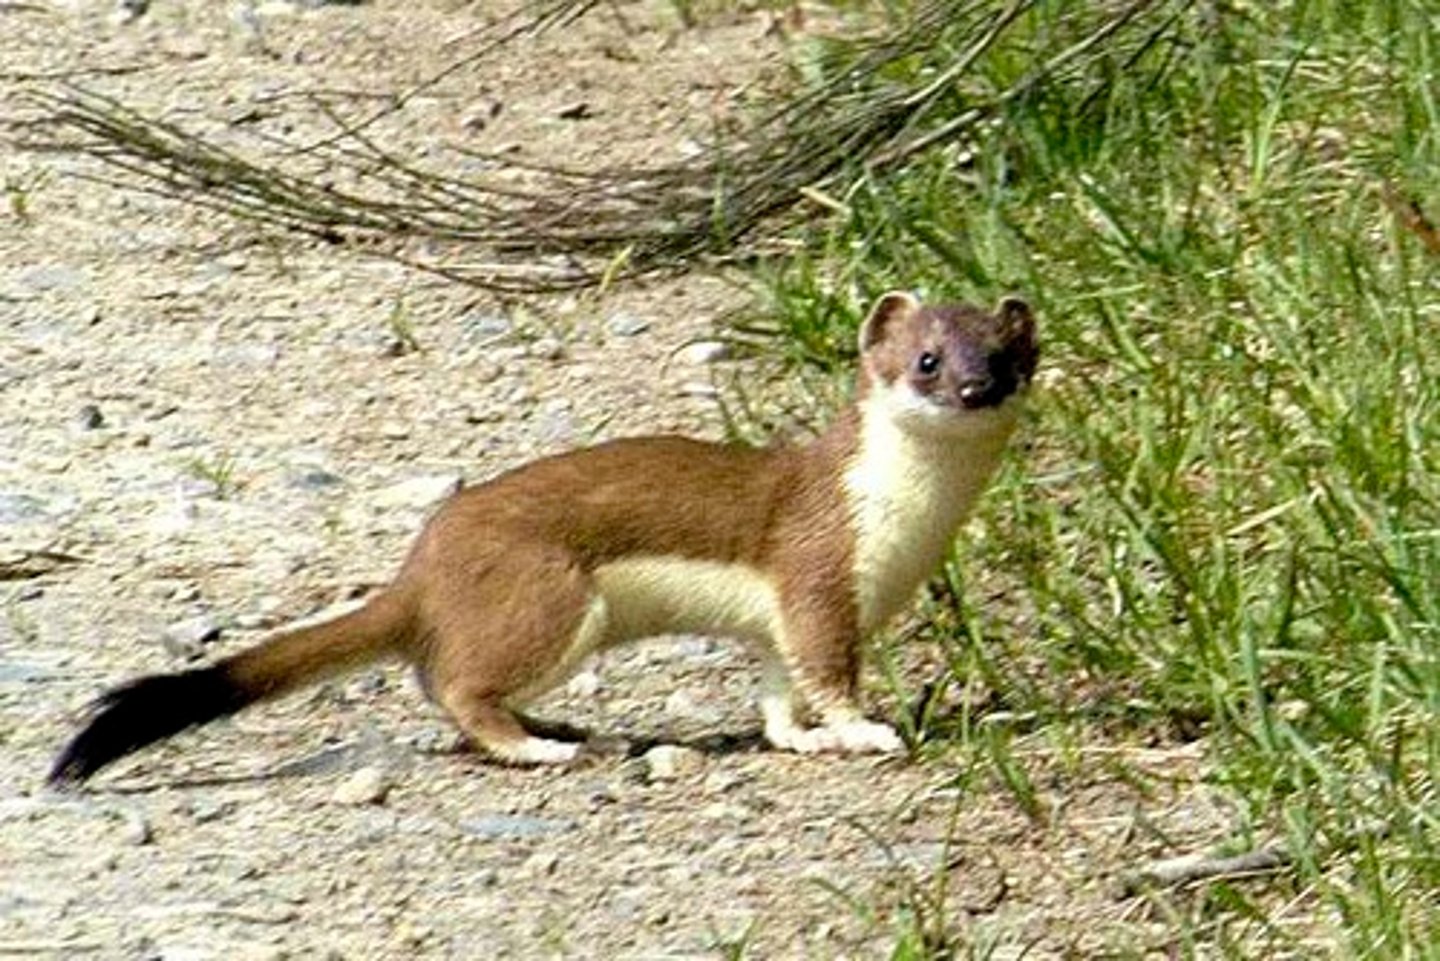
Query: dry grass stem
{"type": "Point", "coordinates": [525, 226]}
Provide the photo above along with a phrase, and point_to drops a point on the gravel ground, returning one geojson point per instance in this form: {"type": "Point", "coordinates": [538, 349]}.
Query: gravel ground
{"type": "Point", "coordinates": [221, 433]}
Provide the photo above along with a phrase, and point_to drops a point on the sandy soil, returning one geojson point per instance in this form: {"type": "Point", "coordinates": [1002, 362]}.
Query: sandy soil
{"type": "Point", "coordinates": [223, 434]}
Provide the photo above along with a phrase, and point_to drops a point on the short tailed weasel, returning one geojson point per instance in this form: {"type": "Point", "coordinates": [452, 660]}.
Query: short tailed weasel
{"type": "Point", "coordinates": [801, 549]}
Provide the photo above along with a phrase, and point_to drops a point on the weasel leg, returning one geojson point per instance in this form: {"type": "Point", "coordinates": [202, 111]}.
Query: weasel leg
{"type": "Point", "coordinates": [508, 626]}
{"type": "Point", "coordinates": [844, 730]}
{"type": "Point", "coordinates": [778, 706]}
{"type": "Point", "coordinates": [494, 729]}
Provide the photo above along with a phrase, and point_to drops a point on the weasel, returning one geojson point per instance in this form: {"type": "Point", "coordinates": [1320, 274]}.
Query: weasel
{"type": "Point", "coordinates": [801, 549]}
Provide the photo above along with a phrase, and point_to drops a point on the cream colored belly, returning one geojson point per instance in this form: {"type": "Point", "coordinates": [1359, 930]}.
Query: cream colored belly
{"type": "Point", "coordinates": [646, 596]}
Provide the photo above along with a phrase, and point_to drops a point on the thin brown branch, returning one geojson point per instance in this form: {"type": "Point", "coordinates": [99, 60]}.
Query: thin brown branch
{"type": "Point", "coordinates": [1411, 215]}
{"type": "Point", "coordinates": [25, 564]}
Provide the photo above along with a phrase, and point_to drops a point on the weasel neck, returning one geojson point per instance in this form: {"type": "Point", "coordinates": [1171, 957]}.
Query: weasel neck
{"type": "Point", "coordinates": [908, 489]}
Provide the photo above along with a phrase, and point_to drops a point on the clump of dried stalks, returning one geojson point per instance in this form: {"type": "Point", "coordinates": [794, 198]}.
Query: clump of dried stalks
{"type": "Point", "coordinates": [539, 227]}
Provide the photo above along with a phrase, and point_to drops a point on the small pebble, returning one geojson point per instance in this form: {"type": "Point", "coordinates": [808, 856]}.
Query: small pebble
{"type": "Point", "coordinates": [548, 348]}
{"type": "Point", "coordinates": [138, 831]}
{"type": "Point", "coordinates": [697, 389]}
{"type": "Point", "coordinates": [17, 507]}
{"type": "Point", "coordinates": [54, 277]}
{"type": "Point", "coordinates": [584, 684]}
{"type": "Point", "coordinates": [205, 811]}
{"type": "Point", "coordinates": [702, 352]}
{"type": "Point", "coordinates": [416, 492]}
{"type": "Point", "coordinates": [512, 827]}
{"type": "Point", "coordinates": [486, 325]}
{"type": "Point", "coordinates": [315, 479]}
{"type": "Point", "coordinates": [368, 785]}
{"type": "Point", "coordinates": [670, 762]}
{"type": "Point", "coordinates": [89, 418]}
{"type": "Point", "coordinates": [186, 639]}
{"type": "Point", "coordinates": [625, 324]}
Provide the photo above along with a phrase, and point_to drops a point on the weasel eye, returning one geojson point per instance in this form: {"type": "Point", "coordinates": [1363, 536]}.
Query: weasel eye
{"type": "Point", "coordinates": [928, 364]}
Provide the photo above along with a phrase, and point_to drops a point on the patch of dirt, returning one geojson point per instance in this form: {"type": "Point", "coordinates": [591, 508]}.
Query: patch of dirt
{"type": "Point", "coordinates": [221, 433]}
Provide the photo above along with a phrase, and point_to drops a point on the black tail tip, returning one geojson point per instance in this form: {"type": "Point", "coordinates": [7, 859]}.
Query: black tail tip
{"type": "Point", "coordinates": [139, 713]}
{"type": "Point", "coordinates": [71, 768]}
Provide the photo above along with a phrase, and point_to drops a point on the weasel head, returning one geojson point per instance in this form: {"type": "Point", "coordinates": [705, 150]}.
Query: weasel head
{"type": "Point", "coordinates": [947, 370]}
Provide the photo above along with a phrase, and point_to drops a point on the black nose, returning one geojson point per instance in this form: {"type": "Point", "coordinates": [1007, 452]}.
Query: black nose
{"type": "Point", "coordinates": [980, 392]}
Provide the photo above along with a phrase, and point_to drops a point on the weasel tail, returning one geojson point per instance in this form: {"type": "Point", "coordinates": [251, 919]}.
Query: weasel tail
{"type": "Point", "coordinates": [153, 708]}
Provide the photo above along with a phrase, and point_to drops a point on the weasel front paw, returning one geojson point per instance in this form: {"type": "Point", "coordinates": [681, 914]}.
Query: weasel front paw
{"type": "Point", "coordinates": [865, 737]}
{"type": "Point", "coordinates": [843, 737]}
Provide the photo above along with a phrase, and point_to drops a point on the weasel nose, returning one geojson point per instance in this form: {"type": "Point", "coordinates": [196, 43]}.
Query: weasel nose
{"type": "Point", "coordinates": [979, 392]}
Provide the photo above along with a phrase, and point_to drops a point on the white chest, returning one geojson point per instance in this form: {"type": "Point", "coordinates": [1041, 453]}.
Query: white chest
{"type": "Point", "coordinates": [908, 494]}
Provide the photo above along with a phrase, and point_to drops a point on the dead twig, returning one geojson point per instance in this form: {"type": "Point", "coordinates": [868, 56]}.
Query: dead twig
{"type": "Point", "coordinates": [1412, 217]}
{"type": "Point", "coordinates": [25, 565]}
{"type": "Point", "coordinates": [1190, 868]}
{"type": "Point", "coordinates": [542, 226]}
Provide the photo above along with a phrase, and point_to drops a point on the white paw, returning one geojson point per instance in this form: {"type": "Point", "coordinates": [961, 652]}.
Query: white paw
{"type": "Point", "coordinates": [844, 737]}
{"type": "Point", "coordinates": [865, 737]}
{"type": "Point", "coordinates": [792, 737]}
{"type": "Point", "coordinates": [538, 750]}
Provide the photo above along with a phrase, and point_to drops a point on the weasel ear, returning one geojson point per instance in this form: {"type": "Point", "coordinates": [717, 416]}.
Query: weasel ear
{"type": "Point", "coordinates": [1015, 313]}
{"type": "Point", "coordinates": [1019, 325]}
{"type": "Point", "coordinates": [1016, 318]}
{"type": "Point", "coordinates": [893, 306]}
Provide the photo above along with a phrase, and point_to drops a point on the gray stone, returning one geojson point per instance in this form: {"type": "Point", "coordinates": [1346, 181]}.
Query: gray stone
{"type": "Point", "coordinates": [54, 277]}
{"type": "Point", "coordinates": [89, 417]}
{"type": "Point", "coordinates": [315, 479]}
{"type": "Point", "coordinates": [417, 492]}
{"type": "Point", "coordinates": [18, 507]}
{"type": "Point", "coordinates": [484, 878]}
{"type": "Point", "coordinates": [327, 761]}
{"type": "Point", "coordinates": [21, 672]}
{"type": "Point", "coordinates": [369, 785]}
{"type": "Point", "coordinates": [514, 827]}
{"type": "Point", "coordinates": [548, 348]}
{"type": "Point", "coordinates": [489, 414]}
{"type": "Point", "coordinates": [585, 683]}
{"type": "Point", "coordinates": [671, 762]}
{"type": "Point", "coordinates": [246, 355]}
{"type": "Point", "coordinates": [622, 323]}
{"type": "Point", "coordinates": [682, 704]}
{"type": "Point", "coordinates": [203, 811]}
{"type": "Point", "coordinates": [486, 326]}
{"type": "Point", "coordinates": [555, 428]}
{"type": "Point", "coordinates": [186, 639]}
{"type": "Point", "coordinates": [127, 11]}
{"type": "Point", "coordinates": [701, 352]}
{"type": "Point", "coordinates": [138, 831]}
{"type": "Point", "coordinates": [435, 741]}
{"type": "Point", "coordinates": [695, 388]}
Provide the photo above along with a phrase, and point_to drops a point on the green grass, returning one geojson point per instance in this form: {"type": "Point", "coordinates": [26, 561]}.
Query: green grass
{"type": "Point", "coordinates": [219, 472]}
{"type": "Point", "coordinates": [1227, 522]}
{"type": "Point", "coordinates": [19, 190]}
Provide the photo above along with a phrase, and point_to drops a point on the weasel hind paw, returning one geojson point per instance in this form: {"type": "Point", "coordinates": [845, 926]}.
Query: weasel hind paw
{"type": "Point", "coordinates": [535, 751]}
